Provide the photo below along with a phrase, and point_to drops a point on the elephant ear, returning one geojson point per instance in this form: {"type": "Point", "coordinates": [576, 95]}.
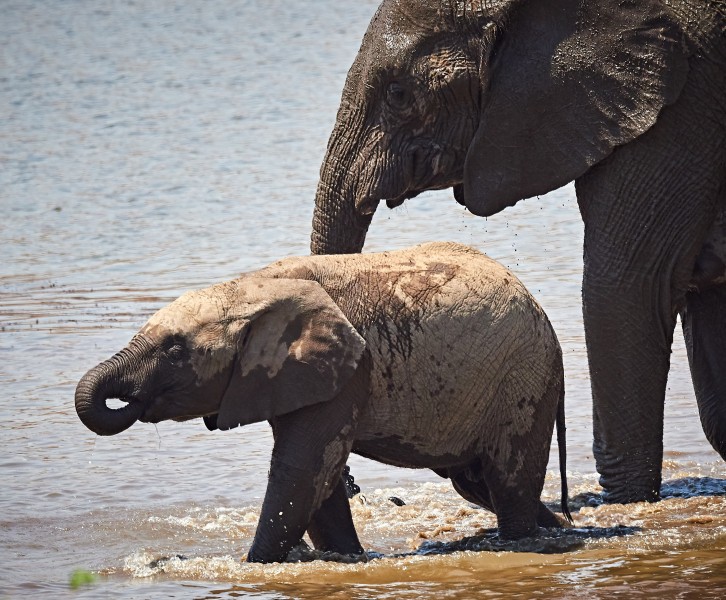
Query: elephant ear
{"type": "Point", "coordinates": [563, 84]}
{"type": "Point", "coordinates": [296, 349]}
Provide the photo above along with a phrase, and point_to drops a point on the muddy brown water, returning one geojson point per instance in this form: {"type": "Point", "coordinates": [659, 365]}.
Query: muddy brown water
{"type": "Point", "coordinates": [151, 147]}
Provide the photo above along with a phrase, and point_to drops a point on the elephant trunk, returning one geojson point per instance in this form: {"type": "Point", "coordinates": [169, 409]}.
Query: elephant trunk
{"type": "Point", "coordinates": [101, 383]}
{"type": "Point", "coordinates": [339, 225]}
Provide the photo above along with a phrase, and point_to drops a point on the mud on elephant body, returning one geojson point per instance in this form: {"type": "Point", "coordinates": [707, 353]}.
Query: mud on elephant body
{"type": "Point", "coordinates": [509, 99]}
{"type": "Point", "coordinates": [432, 357]}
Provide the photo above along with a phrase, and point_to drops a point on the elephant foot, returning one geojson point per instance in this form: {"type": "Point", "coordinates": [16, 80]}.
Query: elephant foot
{"type": "Point", "coordinates": [546, 518]}
{"type": "Point", "coordinates": [628, 493]}
{"type": "Point", "coordinates": [628, 476]}
{"type": "Point", "coordinates": [304, 553]}
{"type": "Point", "coordinates": [628, 497]}
{"type": "Point", "coordinates": [595, 499]}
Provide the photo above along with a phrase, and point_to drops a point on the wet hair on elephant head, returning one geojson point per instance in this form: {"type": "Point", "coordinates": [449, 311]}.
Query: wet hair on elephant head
{"type": "Point", "coordinates": [367, 351]}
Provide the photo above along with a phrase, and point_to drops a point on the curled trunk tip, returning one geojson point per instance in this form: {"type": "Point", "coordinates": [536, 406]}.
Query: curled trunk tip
{"type": "Point", "coordinates": [92, 392]}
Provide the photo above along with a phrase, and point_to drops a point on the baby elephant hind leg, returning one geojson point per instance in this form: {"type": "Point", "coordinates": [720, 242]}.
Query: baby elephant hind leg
{"type": "Point", "coordinates": [517, 517]}
{"type": "Point", "coordinates": [472, 488]}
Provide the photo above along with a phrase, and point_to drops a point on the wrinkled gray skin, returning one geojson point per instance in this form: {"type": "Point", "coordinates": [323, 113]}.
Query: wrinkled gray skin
{"type": "Point", "coordinates": [433, 357]}
{"type": "Point", "coordinates": [514, 99]}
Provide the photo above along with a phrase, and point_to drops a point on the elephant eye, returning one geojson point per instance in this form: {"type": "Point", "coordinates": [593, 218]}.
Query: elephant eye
{"type": "Point", "coordinates": [398, 96]}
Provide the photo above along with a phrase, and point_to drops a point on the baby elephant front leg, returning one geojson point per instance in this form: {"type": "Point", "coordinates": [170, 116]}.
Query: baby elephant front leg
{"type": "Point", "coordinates": [305, 472]}
{"type": "Point", "coordinates": [285, 512]}
{"type": "Point", "coordinates": [331, 529]}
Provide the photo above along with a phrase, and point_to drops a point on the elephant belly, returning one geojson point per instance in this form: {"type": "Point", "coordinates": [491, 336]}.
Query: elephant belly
{"type": "Point", "coordinates": [399, 452]}
{"type": "Point", "coordinates": [420, 429]}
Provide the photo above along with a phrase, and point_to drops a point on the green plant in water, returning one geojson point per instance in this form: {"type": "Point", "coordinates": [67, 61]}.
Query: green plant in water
{"type": "Point", "coordinates": [81, 577]}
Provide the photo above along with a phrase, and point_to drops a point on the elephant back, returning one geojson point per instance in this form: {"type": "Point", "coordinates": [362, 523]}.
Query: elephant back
{"type": "Point", "coordinates": [449, 329]}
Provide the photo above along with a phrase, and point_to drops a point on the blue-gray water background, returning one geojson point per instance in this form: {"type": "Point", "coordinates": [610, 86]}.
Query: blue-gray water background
{"type": "Point", "coordinates": [149, 147]}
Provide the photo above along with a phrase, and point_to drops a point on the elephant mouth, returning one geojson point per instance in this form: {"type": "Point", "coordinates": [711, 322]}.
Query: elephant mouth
{"type": "Point", "coordinates": [165, 408]}
{"type": "Point", "coordinates": [151, 413]}
{"type": "Point", "coordinates": [428, 167]}
{"type": "Point", "coordinates": [400, 199]}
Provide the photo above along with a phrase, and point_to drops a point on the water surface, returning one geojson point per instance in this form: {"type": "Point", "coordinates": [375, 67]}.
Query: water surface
{"type": "Point", "coordinates": [150, 147]}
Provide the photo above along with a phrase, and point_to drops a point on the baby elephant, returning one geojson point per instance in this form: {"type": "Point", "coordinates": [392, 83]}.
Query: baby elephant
{"type": "Point", "coordinates": [434, 356]}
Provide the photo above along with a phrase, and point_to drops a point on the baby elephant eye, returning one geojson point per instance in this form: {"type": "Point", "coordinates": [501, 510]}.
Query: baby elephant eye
{"type": "Point", "coordinates": [398, 96]}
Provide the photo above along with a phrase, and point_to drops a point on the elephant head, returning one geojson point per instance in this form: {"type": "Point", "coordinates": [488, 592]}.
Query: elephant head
{"type": "Point", "coordinates": [235, 353]}
{"type": "Point", "coordinates": [499, 100]}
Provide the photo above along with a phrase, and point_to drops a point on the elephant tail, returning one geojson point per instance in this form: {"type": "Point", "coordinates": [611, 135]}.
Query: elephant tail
{"type": "Point", "coordinates": [562, 447]}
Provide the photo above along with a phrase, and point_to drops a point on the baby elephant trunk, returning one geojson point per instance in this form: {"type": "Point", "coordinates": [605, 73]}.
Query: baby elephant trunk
{"type": "Point", "coordinates": [99, 385]}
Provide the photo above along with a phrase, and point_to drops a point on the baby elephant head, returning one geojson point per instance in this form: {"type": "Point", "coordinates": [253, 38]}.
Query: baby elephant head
{"type": "Point", "coordinates": [235, 353]}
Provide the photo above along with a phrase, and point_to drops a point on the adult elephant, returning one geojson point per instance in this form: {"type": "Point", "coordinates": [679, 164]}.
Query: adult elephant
{"type": "Point", "coordinates": [507, 100]}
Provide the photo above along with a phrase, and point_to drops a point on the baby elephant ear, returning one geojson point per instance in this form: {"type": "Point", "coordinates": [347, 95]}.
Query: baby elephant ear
{"type": "Point", "coordinates": [297, 349]}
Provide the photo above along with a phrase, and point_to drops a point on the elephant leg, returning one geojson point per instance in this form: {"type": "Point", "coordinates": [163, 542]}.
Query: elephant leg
{"type": "Point", "coordinates": [517, 510]}
{"type": "Point", "coordinates": [629, 360]}
{"type": "Point", "coordinates": [310, 450]}
{"type": "Point", "coordinates": [629, 311]}
{"type": "Point", "coordinates": [474, 491]}
{"type": "Point", "coordinates": [477, 493]}
{"type": "Point", "coordinates": [331, 529]}
{"type": "Point", "coordinates": [647, 210]}
{"type": "Point", "coordinates": [285, 512]}
{"type": "Point", "coordinates": [704, 329]}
